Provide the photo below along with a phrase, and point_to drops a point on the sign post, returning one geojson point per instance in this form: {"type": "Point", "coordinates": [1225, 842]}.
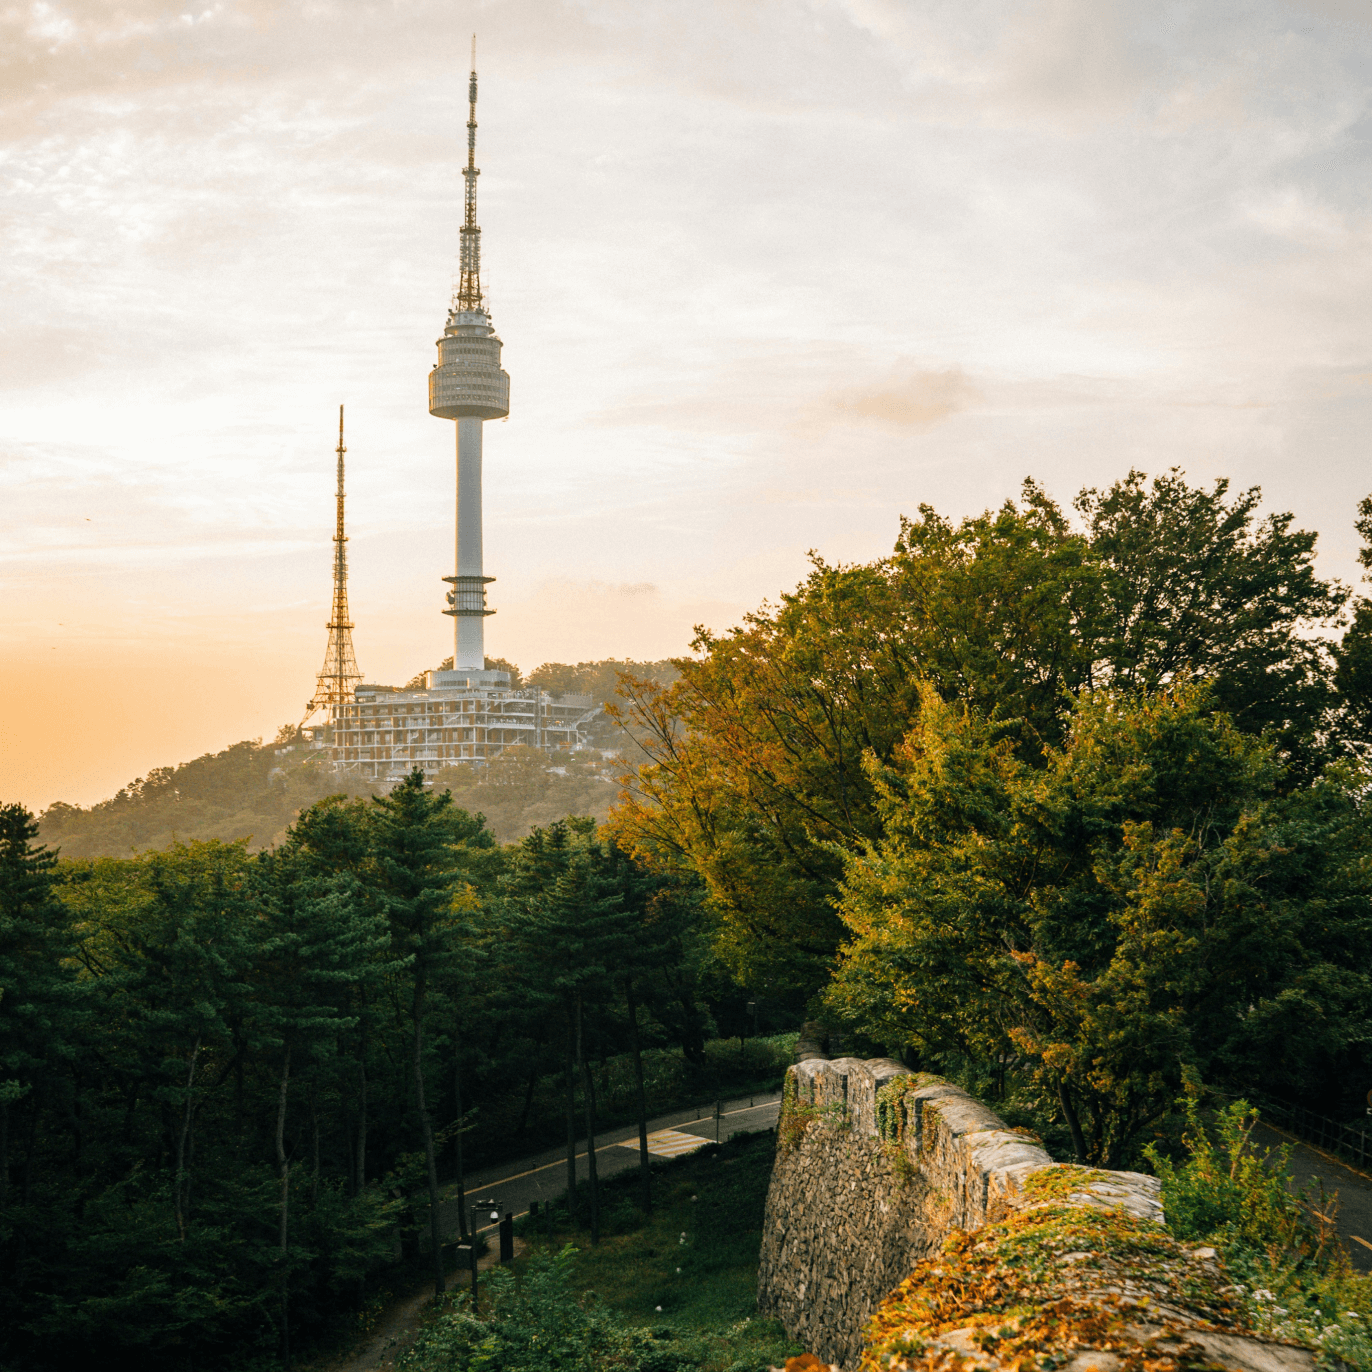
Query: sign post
{"type": "Point", "coordinates": [466, 1257]}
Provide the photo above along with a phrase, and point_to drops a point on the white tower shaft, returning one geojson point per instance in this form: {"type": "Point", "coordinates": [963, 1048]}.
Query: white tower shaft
{"type": "Point", "coordinates": [468, 385]}
{"type": "Point", "coordinates": [469, 648]}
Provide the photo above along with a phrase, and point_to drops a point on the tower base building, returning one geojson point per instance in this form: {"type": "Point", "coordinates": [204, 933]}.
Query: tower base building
{"type": "Point", "coordinates": [456, 720]}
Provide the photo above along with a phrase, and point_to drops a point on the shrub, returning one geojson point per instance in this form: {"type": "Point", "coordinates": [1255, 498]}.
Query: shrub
{"type": "Point", "coordinates": [1277, 1242]}
{"type": "Point", "coordinates": [535, 1323]}
{"type": "Point", "coordinates": [1231, 1193]}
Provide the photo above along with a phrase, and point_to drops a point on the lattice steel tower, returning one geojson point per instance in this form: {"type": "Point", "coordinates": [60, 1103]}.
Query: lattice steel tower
{"type": "Point", "coordinates": [339, 674]}
{"type": "Point", "coordinates": [469, 386]}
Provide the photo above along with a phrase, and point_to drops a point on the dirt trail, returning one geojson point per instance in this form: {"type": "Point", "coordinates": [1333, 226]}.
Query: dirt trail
{"type": "Point", "coordinates": [401, 1322]}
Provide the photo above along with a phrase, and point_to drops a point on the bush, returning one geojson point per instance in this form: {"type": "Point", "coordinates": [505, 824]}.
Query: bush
{"type": "Point", "coordinates": [1231, 1194]}
{"type": "Point", "coordinates": [1277, 1242]}
{"type": "Point", "coordinates": [534, 1323]}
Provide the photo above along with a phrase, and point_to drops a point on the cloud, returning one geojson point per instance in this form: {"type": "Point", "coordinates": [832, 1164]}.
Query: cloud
{"type": "Point", "coordinates": [767, 274]}
{"type": "Point", "coordinates": [910, 399]}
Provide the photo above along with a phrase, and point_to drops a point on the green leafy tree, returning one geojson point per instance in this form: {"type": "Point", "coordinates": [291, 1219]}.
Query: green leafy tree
{"type": "Point", "coordinates": [1353, 656]}
{"type": "Point", "coordinates": [1146, 903]}
{"type": "Point", "coordinates": [756, 780]}
{"type": "Point", "coordinates": [1197, 584]}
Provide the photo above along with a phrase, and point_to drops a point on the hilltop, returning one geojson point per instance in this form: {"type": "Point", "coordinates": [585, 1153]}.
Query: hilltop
{"type": "Point", "coordinates": [254, 790]}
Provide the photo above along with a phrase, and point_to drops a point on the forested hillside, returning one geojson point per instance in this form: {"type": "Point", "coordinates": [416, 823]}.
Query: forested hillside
{"type": "Point", "coordinates": [1073, 811]}
{"type": "Point", "coordinates": [230, 1084]}
{"type": "Point", "coordinates": [253, 791]}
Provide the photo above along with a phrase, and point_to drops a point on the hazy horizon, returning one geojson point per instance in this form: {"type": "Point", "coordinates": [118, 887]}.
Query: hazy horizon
{"type": "Point", "coordinates": [768, 275]}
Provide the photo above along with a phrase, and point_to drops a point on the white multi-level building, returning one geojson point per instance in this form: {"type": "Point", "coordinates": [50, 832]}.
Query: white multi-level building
{"type": "Point", "coordinates": [385, 734]}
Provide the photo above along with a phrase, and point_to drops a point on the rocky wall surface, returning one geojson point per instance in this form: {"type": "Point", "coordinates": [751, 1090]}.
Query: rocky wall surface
{"type": "Point", "coordinates": [876, 1167]}
{"type": "Point", "coordinates": [908, 1230]}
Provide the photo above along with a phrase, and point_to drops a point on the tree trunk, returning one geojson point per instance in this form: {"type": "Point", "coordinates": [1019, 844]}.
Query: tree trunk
{"type": "Point", "coordinates": [31, 1141]}
{"type": "Point", "coordinates": [362, 1122]}
{"type": "Point", "coordinates": [457, 1137]}
{"type": "Point", "coordinates": [645, 1171]}
{"type": "Point", "coordinates": [283, 1167]}
{"type": "Point", "coordinates": [179, 1188]}
{"type": "Point", "coordinates": [1069, 1115]}
{"type": "Point", "coordinates": [427, 1127]}
{"type": "Point", "coordinates": [571, 1132]}
{"type": "Point", "coordinates": [4, 1153]}
{"type": "Point", "coordinates": [239, 1108]}
{"type": "Point", "coordinates": [529, 1089]}
{"type": "Point", "coordinates": [314, 1125]}
{"type": "Point", "coordinates": [589, 1085]}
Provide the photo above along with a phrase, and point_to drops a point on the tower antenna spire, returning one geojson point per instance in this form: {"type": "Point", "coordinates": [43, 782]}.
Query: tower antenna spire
{"type": "Point", "coordinates": [339, 674]}
{"type": "Point", "coordinates": [469, 278]}
{"type": "Point", "coordinates": [470, 386]}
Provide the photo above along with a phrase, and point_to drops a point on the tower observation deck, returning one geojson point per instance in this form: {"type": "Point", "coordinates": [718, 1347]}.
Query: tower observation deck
{"type": "Point", "coordinates": [469, 386]}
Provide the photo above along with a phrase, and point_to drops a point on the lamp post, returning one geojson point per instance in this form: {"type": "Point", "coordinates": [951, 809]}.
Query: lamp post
{"type": "Point", "coordinates": [484, 1213]}
{"type": "Point", "coordinates": [479, 1210]}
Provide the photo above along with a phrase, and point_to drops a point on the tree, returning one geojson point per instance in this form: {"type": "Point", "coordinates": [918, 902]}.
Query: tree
{"type": "Point", "coordinates": [755, 777]}
{"type": "Point", "coordinates": [36, 990]}
{"type": "Point", "coordinates": [542, 953]}
{"type": "Point", "coordinates": [417, 844]}
{"type": "Point", "coordinates": [599, 680]}
{"type": "Point", "coordinates": [1353, 656]}
{"type": "Point", "coordinates": [1197, 584]}
{"type": "Point", "coordinates": [317, 942]}
{"type": "Point", "coordinates": [1148, 902]}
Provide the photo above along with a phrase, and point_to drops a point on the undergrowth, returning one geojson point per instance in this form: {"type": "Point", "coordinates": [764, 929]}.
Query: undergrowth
{"type": "Point", "coordinates": [673, 1291]}
{"type": "Point", "coordinates": [1278, 1243]}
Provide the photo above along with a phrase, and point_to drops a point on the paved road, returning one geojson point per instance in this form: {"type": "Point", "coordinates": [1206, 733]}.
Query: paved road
{"type": "Point", "coordinates": [1311, 1166]}
{"type": "Point", "coordinates": [544, 1176]}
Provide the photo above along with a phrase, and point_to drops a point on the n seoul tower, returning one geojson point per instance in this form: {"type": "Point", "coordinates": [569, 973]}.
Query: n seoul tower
{"type": "Point", "coordinates": [469, 386]}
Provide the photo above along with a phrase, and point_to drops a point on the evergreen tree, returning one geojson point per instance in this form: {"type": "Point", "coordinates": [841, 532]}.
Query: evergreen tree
{"type": "Point", "coordinates": [416, 843]}
{"type": "Point", "coordinates": [1353, 677]}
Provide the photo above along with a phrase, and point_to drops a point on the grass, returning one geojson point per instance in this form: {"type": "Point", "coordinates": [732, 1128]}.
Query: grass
{"type": "Point", "coordinates": [688, 1271]}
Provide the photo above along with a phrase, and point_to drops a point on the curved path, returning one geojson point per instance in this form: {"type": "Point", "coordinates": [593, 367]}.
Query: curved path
{"type": "Point", "coordinates": [1312, 1168]}
{"type": "Point", "coordinates": [542, 1178]}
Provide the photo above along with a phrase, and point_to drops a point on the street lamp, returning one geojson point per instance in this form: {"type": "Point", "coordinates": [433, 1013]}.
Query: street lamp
{"type": "Point", "coordinates": [483, 1212]}
{"type": "Point", "coordinates": [467, 1252]}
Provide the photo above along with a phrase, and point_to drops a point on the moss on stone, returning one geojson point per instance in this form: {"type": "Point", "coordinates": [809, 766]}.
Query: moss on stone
{"type": "Point", "coordinates": [1060, 1182]}
{"type": "Point", "coordinates": [1049, 1284]}
{"type": "Point", "coordinates": [892, 1112]}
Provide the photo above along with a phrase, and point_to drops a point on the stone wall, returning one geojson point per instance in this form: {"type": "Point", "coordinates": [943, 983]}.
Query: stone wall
{"type": "Point", "coordinates": [851, 1212]}
{"type": "Point", "coordinates": [905, 1216]}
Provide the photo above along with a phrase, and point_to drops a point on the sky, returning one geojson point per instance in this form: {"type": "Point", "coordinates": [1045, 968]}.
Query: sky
{"type": "Point", "coordinates": [769, 274]}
